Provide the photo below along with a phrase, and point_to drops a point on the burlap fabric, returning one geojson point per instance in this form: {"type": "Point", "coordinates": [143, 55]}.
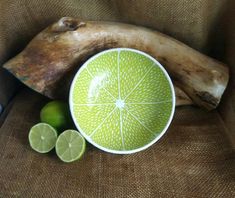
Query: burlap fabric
{"type": "Point", "coordinates": [193, 22]}
{"type": "Point", "coordinates": [194, 159]}
{"type": "Point", "coordinates": [227, 107]}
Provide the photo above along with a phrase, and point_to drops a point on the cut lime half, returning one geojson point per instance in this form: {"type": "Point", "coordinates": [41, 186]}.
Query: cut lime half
{"type": "Point", "coordinates": [70, 146]}
{"type": "Point", "coordinates": [42, 137]}
{"type": "Point", "coordinates": [122, 100]}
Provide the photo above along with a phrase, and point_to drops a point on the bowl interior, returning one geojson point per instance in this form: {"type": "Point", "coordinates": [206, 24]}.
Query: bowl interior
{"type": "Point", "coordinates": [122, 100]}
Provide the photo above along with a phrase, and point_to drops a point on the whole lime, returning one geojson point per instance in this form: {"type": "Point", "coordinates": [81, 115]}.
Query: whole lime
{"type": "Point", "coordinates": [57, 114]}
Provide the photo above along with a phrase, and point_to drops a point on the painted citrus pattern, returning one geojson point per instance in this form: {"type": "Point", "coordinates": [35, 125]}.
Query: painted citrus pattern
{"type": "Point", "coordinates": [121, 100]}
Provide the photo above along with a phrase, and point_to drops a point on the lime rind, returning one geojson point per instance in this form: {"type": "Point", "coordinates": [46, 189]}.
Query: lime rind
{"type": "Point", "coordinates": [75, 152]}
{"type": "Point", "coordinates": [57, 114]}
{"type": "Point", "coordinates": [42, 137]}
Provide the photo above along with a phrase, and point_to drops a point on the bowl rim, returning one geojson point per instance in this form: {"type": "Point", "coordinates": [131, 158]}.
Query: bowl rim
{"type": "Point", "coordinates": [157, 136]}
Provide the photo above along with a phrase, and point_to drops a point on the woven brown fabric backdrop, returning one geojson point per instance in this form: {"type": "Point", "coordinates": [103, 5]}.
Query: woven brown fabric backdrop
{"type": "Point", "coordinates": [194, 159]}
{"type": "Point", "coordinates": [193, 22]}
{"type": "Point", "coordinates": [227, 108]}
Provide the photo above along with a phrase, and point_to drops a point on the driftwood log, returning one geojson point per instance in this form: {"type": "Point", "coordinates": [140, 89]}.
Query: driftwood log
{"type": "Point", "coordinates": [58, 50]}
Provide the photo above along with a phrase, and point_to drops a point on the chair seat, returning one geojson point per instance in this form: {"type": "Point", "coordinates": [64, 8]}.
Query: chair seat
{"type": "Point", "coordinates": [193, 159]}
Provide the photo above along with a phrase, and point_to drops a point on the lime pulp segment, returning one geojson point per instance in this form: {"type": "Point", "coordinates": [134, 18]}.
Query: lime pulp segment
{"type": "Point", "coordinates": [122, 100]}
{"type": "Point", "coordinates": [70, 146]}
{"type": "Point", "coordinates": [42, 137]}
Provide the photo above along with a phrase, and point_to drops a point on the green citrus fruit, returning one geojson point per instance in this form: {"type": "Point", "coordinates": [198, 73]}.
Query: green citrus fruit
{"type": "Point", "coordinates": [57, 114]}
{"type": "Point", "coordinates": [70, 146]}
{"type": "Point", "coordinates": [42, 137]}
{"type": "Point", "coordinates": [122, 100]}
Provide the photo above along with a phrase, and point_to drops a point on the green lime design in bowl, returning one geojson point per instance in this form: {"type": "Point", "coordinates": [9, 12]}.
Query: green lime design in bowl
{"type": "Point", "coordinates": [122, 100]}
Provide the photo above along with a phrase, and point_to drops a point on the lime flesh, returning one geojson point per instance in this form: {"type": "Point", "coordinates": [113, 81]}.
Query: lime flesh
{"type": "Point", "coordinates": [42, 137]}
{"type": "Point", "coordinates": [70, 146]}
{"type": "Point", "coordinates": [122, 100]}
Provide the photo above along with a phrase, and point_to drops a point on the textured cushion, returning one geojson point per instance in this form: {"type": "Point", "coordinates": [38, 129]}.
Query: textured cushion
{"type": "Point", "coordinates": [193, 159]}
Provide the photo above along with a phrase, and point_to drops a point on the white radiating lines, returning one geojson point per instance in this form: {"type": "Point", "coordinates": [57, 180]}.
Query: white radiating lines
{"type": "Point", "coordinates": [102, 87]}
{"type": "Point", "coordinates": [93, 104]}
{"type": "Point", "coordinates": [119, 98]}
{"type": "Point", "coordinates": [146, 103]}
{"type": "Point", "coordinates": [103, 122]}
{"type": "Point", "coordinates": [129, 103]}
{"type": "Point", "coordinates": [67, 148]}
{"type": "Point", "coordinates": [121, 133]}
{"type": "Point", "coordinates": [140, 122]}
{"type": "Point", "coordinates": [139, 81]}
{"type": "Point", "coordinates": [119, 83]}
